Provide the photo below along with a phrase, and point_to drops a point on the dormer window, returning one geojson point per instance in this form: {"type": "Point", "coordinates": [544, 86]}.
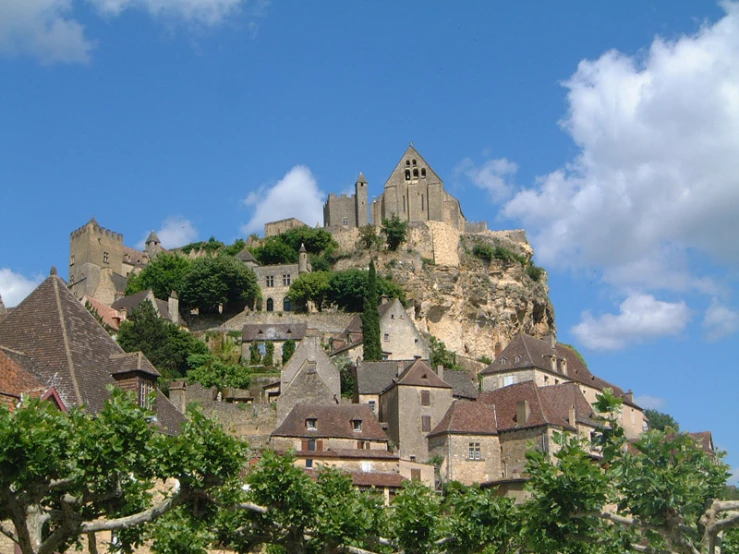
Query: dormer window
{"type": "Point", "coordinates": [145, 394]}
{"type": "Point", "coordinates": [310, 424]}
{"type": "Point", "coordinates": [357, 425]}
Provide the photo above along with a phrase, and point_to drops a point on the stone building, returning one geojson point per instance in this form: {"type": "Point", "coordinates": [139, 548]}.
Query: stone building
{"type": "Point", "coordinates": [347, 212]}
{"type": "Point", "coordinates": [276, 333]}
{"type": "Point", "coordinates": [275, 280]}
{"type": "Point", "coordinates": [274, 228]}
{"type": "Point", "coordinates": [169, 309]}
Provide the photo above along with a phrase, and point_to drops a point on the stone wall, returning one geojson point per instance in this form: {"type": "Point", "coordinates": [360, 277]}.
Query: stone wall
{"type": "Point", "coordinates": [326, 323]}
{"type": "Point", "coordinates": [457, 465]}
{"type": "Point", "coordinates": [277, 227]}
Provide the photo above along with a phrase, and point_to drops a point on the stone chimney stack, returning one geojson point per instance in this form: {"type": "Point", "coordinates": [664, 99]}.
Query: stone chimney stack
{"type": "Point", "coordinates": [440, 371]}
{"type": "Point", "coordinates": [498, 350]}
{"type": "Point", "coordinates": [173, 305]}
{"type": "Point", "coordinates": [117, 296]}
{"type": "Point", "coordinates": [522, 412]}
{"type": "Point", "coordinates": [302, 260]}
{"type": "Point", "coordinates": [123, 314]}
{"type": "Point", "coordinates": [177, 395]}
{"type": "Point", "coordinates": [400, 367]}
{"type": "Point", "coordinates": [572, 418]}
{"type": "Point", "coordinates": [629, 396]}
{"type": "Point", "coordinates": [551, 339]}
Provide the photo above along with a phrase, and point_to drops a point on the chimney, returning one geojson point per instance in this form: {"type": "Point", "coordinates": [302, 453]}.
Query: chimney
{"type": "Point", "coordinates": [173, 305]}
{"type": "Point", "coordinates": [400, 367]}
{"type": "Point", "coordinates": [117, 296]}
{"type": "Point", "coordinates": [551, 340]}
{"type": "Point", "coordinates": [384, 299]}
{"type": "Point", "coordinates": [123, 314]}
{"type": "Point", "coordinates": [177, 395]}
{"type": "Point", "coordinates": [522, 412]}
{"type": "Point", "coordinates": [629, 396]}
{"type": "Point", "coordinates": [572, 418]}
{"type": "Point", "coordinates": [498, 350]}
{"type": "Point", "coordinates": [440, 371]}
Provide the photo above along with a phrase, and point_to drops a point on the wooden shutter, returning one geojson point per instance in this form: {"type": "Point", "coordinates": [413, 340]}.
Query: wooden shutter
{"type": "Point", "coordinates": [319, 444]}
{"type": "Point", "coordinates": [425, 398]}
{"type": "Point", "coordinates": [425, 423]}
{"type": "Point", "coordinates": [415, 475]}
{"type": "Point", "coordinates": [304, 444]}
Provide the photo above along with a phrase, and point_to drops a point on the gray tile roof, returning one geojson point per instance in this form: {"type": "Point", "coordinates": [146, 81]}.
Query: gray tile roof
{"type": "Point", "coordinates": [375, 377]}
{"type": "Point", "coordinates": [277, 331]}
{"type": "Point", "coordinates": [331, 422]}
{"type": "Point", "coordinates": [462, 385]}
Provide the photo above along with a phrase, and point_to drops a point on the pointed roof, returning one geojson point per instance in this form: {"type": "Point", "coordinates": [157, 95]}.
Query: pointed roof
{"type": "Point", "coordinates": [302, 248]}
{"type": "Point", "coordinates": [361, 178]}
{"type": "Point", "coordinates": [564, 396]}
{"type": "Point", "coordinates": [419, 374]}
{"type": "Point", "coordinates": [406, 162]}
{"type": "Point", "coordinates": [465, 417]}
{"type": "Point", "coordinates": [332, 422]}
{"type": "Point", "coordinates": [153, 238]}
{"type": "Point", "coordinates": [506, 399]}
{"type": "Point", "coordinates": [246, 256]}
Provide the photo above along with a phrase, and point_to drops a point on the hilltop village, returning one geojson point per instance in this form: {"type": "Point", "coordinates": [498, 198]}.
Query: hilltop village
{"type": "Point", "coordinates": [471, 374]}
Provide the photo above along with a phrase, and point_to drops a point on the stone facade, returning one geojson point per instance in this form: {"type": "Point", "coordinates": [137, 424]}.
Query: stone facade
{"type": "Point", "coordinates": [274, 228]}
{"type": "Point", "coordinates": [275, 280]}
{"type": "Point", "coordinates": [347, 212]}
{"type": "Point", "coordinates": [467, 458]}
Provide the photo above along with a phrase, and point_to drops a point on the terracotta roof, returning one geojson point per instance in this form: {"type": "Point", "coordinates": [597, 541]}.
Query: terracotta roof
{"type": "Point", "coordinates": [506, 399]}
{"type": "Point", "coordinates": [348, 453]}
{"type": "Point", "coordinates": [131, 361]}
{"type": "Point", "coordinates": [462, 385]}
{"type": "Point", "coordinates": [467, 418]}
{"type": "Point", "coordinates": [277, 331]}
{"type": "Point", "coordinates": [110, 316]}
{"type": "Point", "coordinates": [561, 398]}
{"type": "Point", "coordinates": [16, 377]}
{"type": "Point", "coordinates": [331, 422]}
{"type": "Point", "coordinates": [69, 349]}
{"type": "Point", "coordinates": [372, 479]}
{"type": "Point", "coordinates": [419, 374]}
{"type": "Point", "coordinates": [375, 377]}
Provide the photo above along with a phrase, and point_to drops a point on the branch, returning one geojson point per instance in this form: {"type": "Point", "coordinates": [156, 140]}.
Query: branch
{"type": "Point", "coordinates": [725, 505]}
{"type": "Point", "coordinates": [723, 524]}
{"type": "Point", "coordinates": [8, 532]}
{"type": "Point", "coordinates": [136, 519]}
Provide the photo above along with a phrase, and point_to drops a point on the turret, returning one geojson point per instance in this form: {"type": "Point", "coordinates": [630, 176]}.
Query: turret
{"type": "Point", "coordinates": [360, 201]}
{"type": "Point", "coordinates": [302, 260]}
{"type": "Point", "coordinates": [153, 244]}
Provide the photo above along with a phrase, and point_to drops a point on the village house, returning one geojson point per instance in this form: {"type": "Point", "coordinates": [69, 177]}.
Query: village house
{"type": "Point", "coordinates": [168, 310]}
{"type": "Point", "coordinates": [276, 333]}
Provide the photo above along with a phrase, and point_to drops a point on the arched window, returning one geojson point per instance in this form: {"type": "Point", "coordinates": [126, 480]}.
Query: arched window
{"type": "Point", "coordinates": [286, 306]}
{"type": "Point", "coordinates": [423, 172]}
{"type": "Point", "coordinates": [408, 162]}
{"type": "Point", "coordinates": [407, 174]}
{"type": "Point", "coordinates": [270, 305]}
{"type": "Point", "coordinates": [414, 162]}
{"type": "Point", "coordinates": [415, 173]}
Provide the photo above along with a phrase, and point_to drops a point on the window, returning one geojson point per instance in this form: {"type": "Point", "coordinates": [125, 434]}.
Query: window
{"type": "Point", "coordinates": [286, 305]}
{"type": "Point", "coordinates": [262, 347]}
{"type": "Point", "coordinates": [71, 260]}
{"type": "Point", "coordinates": [145, 391]}
{"type": "Point", "coordinates": [407, 162]}
{"type": "Point", "coordinates": [474, 451]}
{"type": "Point", "coordinates": [270, 279]}
{"type": "Point", "coordinates": [310, 424]}
{"type": "Point", "coordinates": [309, 463]}
{"type": "Point", "coordinates": [286, 280]}
{"type": "Point", "coordinates": [373, 405]}
{"type": "Point", "coordinates": [357, 425]}
{"type": "Point", "coordinates": [414, 163]}
{"type": "Point", "coordinates": [106, 257]}
{"type": "Point", "coordinates": [423, 173]}
{"type": "Point", "coordinates": [345, 221]}
{"type": "Point", "coordinates": [425, 423]}
{"type": "Point", "coordinates": [508, 380]}
{"type": "Point", "coordinates": [311, 444]}
{"type": "Point", "coordinates": [415, 173]}
{"type": "Point", "coordinates": [407, 174]}
{"type": "Point", "coordinates": [386, 337]}
{"type": "Point", "coordinates": [425, 398]}
{"type": "Point", "coordinates": [270, 305]}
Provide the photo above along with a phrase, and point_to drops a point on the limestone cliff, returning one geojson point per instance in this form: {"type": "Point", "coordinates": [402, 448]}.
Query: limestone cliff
{"type": "Point", "coordinates": [472, 305]}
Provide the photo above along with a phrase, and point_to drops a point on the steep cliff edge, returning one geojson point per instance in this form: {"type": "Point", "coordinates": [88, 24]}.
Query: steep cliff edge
{"type": "Point", "coordinates": [472, 305]}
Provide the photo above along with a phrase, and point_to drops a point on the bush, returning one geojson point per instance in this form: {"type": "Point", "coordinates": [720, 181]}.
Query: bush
{"type": "Point", "coordinates": [347, 289]}
{"type": "Point", "coordinates": [222, 280]}
{"type": "Point", "coordinates": [368, 237]}
{"type": "Point", "coordinates": [395, 231]}
{"type": "Point", "coordinates": [488, 253]}
{"type": "Point", "coordinates": [288, 349]}
{"type": "Point", "coordinates": [269, 354]}
{"type": "Point", "coordinates": [534, 272]}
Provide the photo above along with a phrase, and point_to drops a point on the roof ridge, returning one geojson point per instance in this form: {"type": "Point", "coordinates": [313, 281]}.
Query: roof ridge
{"type": "Point", "coordinates": [65, 340]}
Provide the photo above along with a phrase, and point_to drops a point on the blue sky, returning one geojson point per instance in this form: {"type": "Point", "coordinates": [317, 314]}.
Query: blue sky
{"type": "Point", "coordinates": [609, 131]}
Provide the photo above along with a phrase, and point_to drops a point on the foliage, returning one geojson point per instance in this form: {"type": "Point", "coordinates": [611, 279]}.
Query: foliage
{"type": "Point", "coordinates": [309, 287]}
{"type": "Point", "coordinates": [534, 272]}
{"type": "Point", "coordinates": [315, 240]}
{"type": "Point", "coordinates": [66, 475]}
{"type": "Point", "coordinates": [288, 349]}
{"type": "Point", "coordinates": [415, 519]}
{"type": "Point", "coordinates": [395, 231]}
{"type": "Point", "coordinates": [320, 262]}
{"type": "Point", "coordinates": [211, 371]}
{"type": "Point", "coordinates": [235, 248]}
{"type": "Point", "coordinates": [222, 280]}
{"type": "Point", "coordinates": [661, 421]}
{"type": "Point", "coordinates": [162, 342]}
{"type": "Point", "coordinates": [371, 319]}
{"type": "Point", "coordinates": [487, 360]}
{"type": "Point", "coordinates": [273, 251]}
{"type": "Point", "coordinates": [268, 360]}
{"type": "Point", "coordinates": [488, 252]}
{"type": "Point", "coordinates": [368, 237]}
{"type": "Point", "coordinates": [347, 289]}
{"type": "Point", "coordinates": [255, 356]}
{"type": "Point", "coordinates": [283, 248]}
{"type": "Point", "coordinates": [165, 273]}
{"type": "Point", "coordinates": [440, 355]}
{"type": "Point", "coordinates": [211, 246]}
{"type": "Point", "coordinates": [345, 367]}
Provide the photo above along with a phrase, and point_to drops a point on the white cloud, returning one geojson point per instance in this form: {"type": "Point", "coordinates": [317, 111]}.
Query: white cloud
{"type": "Point", "coordinates": [640, 317]}
{"type": "Point", "coordinates": [720, 321]}
{"type": "Point", "coordinates": [295, 195]}
{"type": "Point", "coordinates": [210, 12]}
{"type": "Point", "coordinates": [42, 29]}
{"type": "Point", "coordinates": [657, 174]}
{"type": "Point", "coordinates": [494, 176]}
{"type": "Point", "coordinates": [650, 402]}
{"type": "Point", "coordinates": [175, 231]}
{"type": "Point", "coordinates": [14, 287]}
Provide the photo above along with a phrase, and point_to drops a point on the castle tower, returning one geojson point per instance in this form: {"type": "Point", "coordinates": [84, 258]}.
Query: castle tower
{"type": "Point", "coordinates": [153, 245]}
{"type": "Point", "coordinates": [360, 201]}
{"type": "Point", "coordinates": [302, 260]}
{"type": "Point", "coordinates": [93, 252]}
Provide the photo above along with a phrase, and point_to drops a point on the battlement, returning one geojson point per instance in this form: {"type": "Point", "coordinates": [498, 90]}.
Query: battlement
{"type": "Point", "coordinates": [94, 227]}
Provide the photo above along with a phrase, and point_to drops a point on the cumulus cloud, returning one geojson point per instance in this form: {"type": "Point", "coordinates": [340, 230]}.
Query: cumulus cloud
{"type": "Point", "coordinates": [494, 176]}
{"type": "Point", "coordinates": [650, 402]}
{"type": "Point", "coordinates": [720, 321]}
{"type": "Point", "coordinates": [641, 317]}
{"type": "Point", "coordinates": [295, 195]}
{"type": "Point", "coordinates": [14, 287]}
{"type": "Point", "coordinates": [174, 232]}
{"type": "Point", "coordinates": [210, 12]}
{"type": "Point", "coordinates": [44, 30]}
{"type": "Point", "coordinates": [657, 173]}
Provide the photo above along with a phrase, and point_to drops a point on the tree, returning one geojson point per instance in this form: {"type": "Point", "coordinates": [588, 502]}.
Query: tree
{"type": "Point", "coordinates": [310, 287]}
{"type": "Point", "coordinates": [221, 281]}
{"type": "Point", "coordinates": [347, 289]}
{"type": "Point", "coordinates": [255, 356]}
{"type": "Point", "coordinates": [67, 476]}
{"type": "Point", "coordinates": [162, 342]}
{"type": "Point", "coordinates": [371, 319]}
{"type": "Point", "coordinates": [395, 231]}
{"type": "Point", "coordinates": [440, 355]}
{"type": "Point", "coordinates": [164, 274]}
{"type": "Point", "coordinates": [368, 238]}
{"type": "Point", "coordinates": [268, 360]}
{"type": "Point", "coordinates": [274, 251]}
{"type": "Point", "coordinates": [315, 240]}
{"type": "Point", "coordinates": [288, 349]}
{"type": "Point", "coordinates": [661, 421]}
{"type": "Point", "coordinates": [211, 371]}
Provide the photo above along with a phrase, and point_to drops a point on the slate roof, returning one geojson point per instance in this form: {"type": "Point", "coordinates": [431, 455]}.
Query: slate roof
{"type": "Point", "coordinates": [462, 385]}
{"type": "Point", "coordinates": [419, 374]}
{"type": "Point", "coordinates": [506, 399]}
{"type": "Point", "coordinates": [278, 331]}
{"type": "Point", "coordinates": [331, 422]}
{"type": "Point", "coordinates": [355, 325]}
{"type": "Point", "coordinates": [69, 349]}
{"type": "Point", "coordinates": [135, 257]}
{"type": "Point", "coordinates": [246, 256]}
{"type": "Point", "coordinates": [375, 377]}
{"type": "Point", "coordinates": [152, 238]}
{"type": "Point", "coordinates": [133, 301]}
{"type": "Point", "coordinates": [119, 282]}
{"type": "Point", "coordinates": [131, 361]}
{"type": "Point", "coordinates": [704, 440]}
{"type": "Point", "coordinates": [465, 417]}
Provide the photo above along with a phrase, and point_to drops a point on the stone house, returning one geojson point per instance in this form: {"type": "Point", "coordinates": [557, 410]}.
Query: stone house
{"type": "Point", "coordinates": [546, 363]}
{"type": "Point", "coordinates": [399, 336]}
{"type": "Point", "coordinates": [276, 333]}
{"type": "Point", "coordinates": [168, 310]}
{"type": "Point", "coordinates": [412, 406]}
{"type": "Point", "coordinates": [309, 377]}
{"type": "Point", "coordinates": [52, 336]}
{"type": "Point", "coordinates": [275, 280]}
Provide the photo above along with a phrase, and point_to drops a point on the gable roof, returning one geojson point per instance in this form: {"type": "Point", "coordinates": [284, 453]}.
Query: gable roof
{"type": "Point", "coordinates": [465, 417]}
{"type": "Point", "coordinates": [375, 377]}
{"type": "Point", "coordinates": [564, 396]}
{"type": "Point", "coordinates": [110, 316]}
{"type": "Point", "coordinates": [131, 361]}
{"type": "Point", "coordinates": [277, 331]}
{"type": "Point", "coordinates": [412, 154]}
{"type": "Point", "coordinates": [419, 374]}
{"type": "Point", "coordinates": [246, 256]}
{"type": "Point", "coordinates": [331, 422]}
{"type": "Point", "coordinates": [133, 301]}
{"type": "Point", "coordinates": [462, 385]}
{"type": "Point", "coordinates": [505, 401]}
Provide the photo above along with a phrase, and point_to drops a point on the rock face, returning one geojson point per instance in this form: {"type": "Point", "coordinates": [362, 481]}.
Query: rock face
{"type": "Point", "coordinates": [475, 307]}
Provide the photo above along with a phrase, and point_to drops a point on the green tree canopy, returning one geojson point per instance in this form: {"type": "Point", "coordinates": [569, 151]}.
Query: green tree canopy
{"type": "Point", "coordinates": [164, 274]}
{"type": "Point", "coordinates": [288, 349]}
{"type": "Point", "coordinates": [163, 343]}
{"type": "Point", "coordinates": [395, 231]}
{"type": "Point", "coordinates": [310, 287]}
{"type": "Point", "coordinates": [273, 251]}
{"type": "Point", "coordinates": [661, 421]}
{"type": "Point", "coordinates": [211, 371]}
{"type": "Point", "coordinates": [221, 280]}
{"type": "Point", "coordinates": [347, 289]}
{"type": "Point", "coordinates": [315, 240]}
